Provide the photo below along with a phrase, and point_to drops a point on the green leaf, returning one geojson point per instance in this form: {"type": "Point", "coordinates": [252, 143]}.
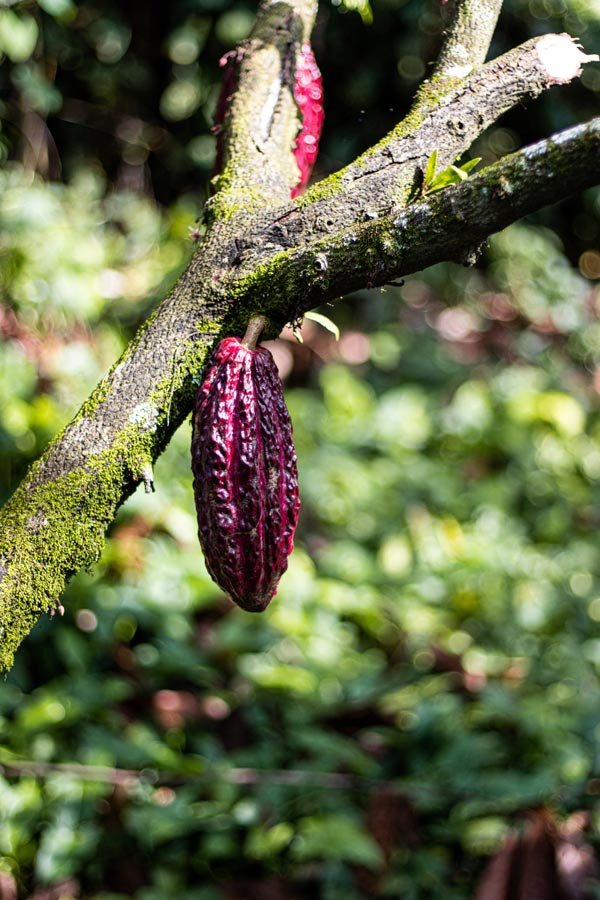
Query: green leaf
{"type": "Point", "coordinates": [431, 167]}
{"type": "Point", "coordinates": [460, 175]}
{"type": "Point", "coordinates": [449, 176]}
{"type": "Point", "coordinates": [452, 175]}
{"type": "Point", "coordinates": [335, 837]}
{"type": "Point", "coordinates": [18, 35]}
{"type": "Point", "coordinates": [325, 322]}
{"type": "Point", "coordinates": [470, 165]}
{"type": "Point", "coordinates": [40, 94]}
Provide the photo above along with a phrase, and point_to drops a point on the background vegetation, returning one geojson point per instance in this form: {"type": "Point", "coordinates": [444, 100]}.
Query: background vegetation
{"type": "Point", "coordinates": [425, 685]}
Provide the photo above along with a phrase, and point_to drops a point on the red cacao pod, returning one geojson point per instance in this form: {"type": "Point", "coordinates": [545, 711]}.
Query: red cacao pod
{"type": "Point", "coordinates": [245, 474]}
{"type": "Point", "coordinates": [308, 93]}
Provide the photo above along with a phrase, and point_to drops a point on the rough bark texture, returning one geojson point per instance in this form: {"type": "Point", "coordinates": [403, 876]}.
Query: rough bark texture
{"type": "Point", "coordinates": [263, 254]}
{"type": "Point", "coordinates": [467, 38]}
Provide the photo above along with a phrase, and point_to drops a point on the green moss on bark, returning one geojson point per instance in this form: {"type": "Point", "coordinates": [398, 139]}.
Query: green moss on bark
{"type": "Point", "coordinates": [49, 534]}
{"type": "Point", "coordinates": [52, 528]}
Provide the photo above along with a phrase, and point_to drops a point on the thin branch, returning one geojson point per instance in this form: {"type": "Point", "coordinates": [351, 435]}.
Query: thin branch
{"type": "Point", "coordinates": [476, 101]}
{"type": "Point", "coordinates": [127, 778]}
{"type": "Point", "coordinates": [468, 38]}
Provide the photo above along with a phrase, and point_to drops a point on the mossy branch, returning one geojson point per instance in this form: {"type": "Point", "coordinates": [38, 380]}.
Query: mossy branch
{"type": "Point", "coordinates": [263, 255]}
{"type": "Point", "coordinates": [392, 172]}
{"type": "Point", "coordinates": [263, 120]}
{"type": "Point", "coordinates": [449, 225]}
{"type": "Point", "coordinates": [55, 523]}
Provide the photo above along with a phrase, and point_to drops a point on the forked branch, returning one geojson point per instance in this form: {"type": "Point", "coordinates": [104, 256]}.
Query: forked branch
{"type": "Point", "coordinates": [265, 255]}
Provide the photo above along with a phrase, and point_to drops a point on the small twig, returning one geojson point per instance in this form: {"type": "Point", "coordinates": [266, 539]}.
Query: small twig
{"type": "Point", "coordinates": [241, 776]}
{"type": "Point", "coordinates": [148, 478]}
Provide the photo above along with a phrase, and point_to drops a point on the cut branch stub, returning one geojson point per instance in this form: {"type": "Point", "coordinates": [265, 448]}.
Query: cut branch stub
{"type": "Point", "coordinates": [245, 473]}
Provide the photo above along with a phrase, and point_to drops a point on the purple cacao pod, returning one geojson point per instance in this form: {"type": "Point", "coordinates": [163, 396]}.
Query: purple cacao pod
{"type": "Point", "coordinates": [245, 474]}
{"type": "Point", "coordinates": [308, 93]}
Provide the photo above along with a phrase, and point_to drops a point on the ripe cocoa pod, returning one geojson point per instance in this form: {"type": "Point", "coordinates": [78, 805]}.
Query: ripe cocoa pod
{"type": "Point", "coordinates": [245, 474]}
{"type": "Point", "coordinates": [308, 93]}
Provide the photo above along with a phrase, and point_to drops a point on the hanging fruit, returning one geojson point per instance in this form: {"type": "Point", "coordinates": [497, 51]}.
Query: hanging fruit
{"type": "Point", "coordinates": [245, 472]}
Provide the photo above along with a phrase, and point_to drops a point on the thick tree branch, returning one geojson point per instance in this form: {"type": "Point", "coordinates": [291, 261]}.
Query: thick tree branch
{"type": "Point", "coordinates": [56, 521]}
{"type": "Point", "coordinates": [259, 131]}
{"type": "Point", "coordinates": [354, 230]}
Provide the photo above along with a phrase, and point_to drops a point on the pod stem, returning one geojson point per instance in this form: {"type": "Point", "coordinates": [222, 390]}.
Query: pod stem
{"type": "Point", "coordinates": [253, 332]}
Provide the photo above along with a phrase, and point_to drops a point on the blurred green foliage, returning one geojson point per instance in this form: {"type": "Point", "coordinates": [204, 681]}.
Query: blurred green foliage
{"type": "Point", "coordinates": [429, 669]}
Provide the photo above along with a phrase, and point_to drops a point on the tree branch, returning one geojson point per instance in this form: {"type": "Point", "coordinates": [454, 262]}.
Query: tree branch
{"type": "Point", "coordinates": [391, 173]}
{"type": "Point", "coordinates": [452, 225]}
{"type": "Point", "coordinates": [352, 231]}
{"type": "Point", "coordinates": [467, 39]}
{"type": "Point", "coordinates": [258, 135]}
{"type": "Point", "coordinates": [293, 778]}
{"type": "Point", "coordinates": [56, 521]}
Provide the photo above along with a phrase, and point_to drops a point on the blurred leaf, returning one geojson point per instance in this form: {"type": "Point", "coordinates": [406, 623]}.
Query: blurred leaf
{"type": "Point", "coordinates": [18, 35]}
{"type": "Point", "coordinates": [335, 837]}
{"type": "Point", "coordinates": [58, 8]}
{"type": "Point", "coordinates": [362, 7]}
{"type": "Point", "coordinates": [324, 321]}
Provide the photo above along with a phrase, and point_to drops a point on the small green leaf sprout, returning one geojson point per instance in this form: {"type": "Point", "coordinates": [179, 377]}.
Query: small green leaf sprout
{"type": "Point", "coordinates": [452, 175]}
